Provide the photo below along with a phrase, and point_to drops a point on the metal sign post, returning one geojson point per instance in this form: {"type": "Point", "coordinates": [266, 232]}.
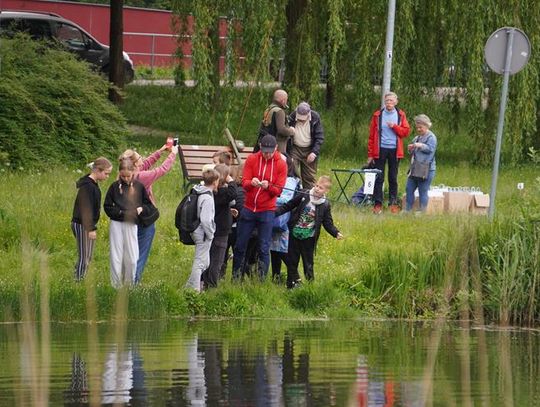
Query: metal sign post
{"type": "Point", "coordinates": [507, 51]}
{"type": "Point", "coordinates": [387, 73]}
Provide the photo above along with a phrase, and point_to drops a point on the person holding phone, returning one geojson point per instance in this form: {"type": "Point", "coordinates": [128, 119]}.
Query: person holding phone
{"type": "Point", "coordinates": [146, 175]}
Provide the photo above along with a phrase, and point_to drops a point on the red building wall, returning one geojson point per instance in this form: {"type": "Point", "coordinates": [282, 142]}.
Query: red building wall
{"type": "Point", "coordinates": [95, 18]}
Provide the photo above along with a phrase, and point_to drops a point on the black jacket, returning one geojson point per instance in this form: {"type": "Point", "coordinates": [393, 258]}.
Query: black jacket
{"type": "Point", "coordinates": [316, 129]}
{"type": "Point", "coordinates": [323, 214]}
{"type": "Point", "coordinates": [87, 205]}
{"type": "Point", "coordinates": [223, 217]}
{"type": "Point", "coordinates": [122, 201]}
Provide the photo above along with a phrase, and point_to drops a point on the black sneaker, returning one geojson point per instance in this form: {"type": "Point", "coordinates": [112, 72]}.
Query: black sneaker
{"type": "Point", "coordinates": [294, 284]}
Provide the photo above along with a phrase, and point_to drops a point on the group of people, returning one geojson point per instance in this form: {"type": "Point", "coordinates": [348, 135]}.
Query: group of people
{"type": "Point", "coordinates": [270, 210]}
{"type": "Point", "coordinates": [388, 128]}
{"type": "Point", "coordinates": [127, 200]}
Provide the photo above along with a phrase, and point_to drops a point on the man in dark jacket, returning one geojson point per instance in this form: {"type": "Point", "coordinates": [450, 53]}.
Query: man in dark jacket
{"type": "Point", "coordinates": [274, 122]}
{"type": "Point", "coordinates": [307, 141]}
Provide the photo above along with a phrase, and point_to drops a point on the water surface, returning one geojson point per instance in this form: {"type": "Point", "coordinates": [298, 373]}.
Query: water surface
{"type": "Point", "coordinates": [269, 363]}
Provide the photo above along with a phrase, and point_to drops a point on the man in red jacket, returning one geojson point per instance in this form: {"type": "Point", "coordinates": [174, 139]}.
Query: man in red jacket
{"type": "Point", "coordinates": [387, 129]}
{"type": "Point", "coordinates": [264, 176]}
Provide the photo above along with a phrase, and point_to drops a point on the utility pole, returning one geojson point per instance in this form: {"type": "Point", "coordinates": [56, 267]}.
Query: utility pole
{"type": "Point", "coordinates": [387, 74]}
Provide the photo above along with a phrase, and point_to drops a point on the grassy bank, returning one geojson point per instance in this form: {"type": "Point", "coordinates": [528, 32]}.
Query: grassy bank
{"type": "Point", "coordinates": [388, 266]}
{"type": "Point", "coordinates": [240, 109]}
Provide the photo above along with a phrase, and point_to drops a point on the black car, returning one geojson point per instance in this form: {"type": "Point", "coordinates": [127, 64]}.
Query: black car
{"type": "Point", "coordinates": [49, 26]}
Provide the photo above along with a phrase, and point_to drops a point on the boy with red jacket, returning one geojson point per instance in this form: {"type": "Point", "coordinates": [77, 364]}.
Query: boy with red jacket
{"type": "Point", "coordinates": [264, 176]}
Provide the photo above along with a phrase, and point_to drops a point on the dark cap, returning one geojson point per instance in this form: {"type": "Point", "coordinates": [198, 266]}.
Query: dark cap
{"type": "Point", "coordinates": [268, 144]}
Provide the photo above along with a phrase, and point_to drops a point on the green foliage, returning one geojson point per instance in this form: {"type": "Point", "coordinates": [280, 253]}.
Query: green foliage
{"type": "Point", "coordinates": [438, 55]}
{"type": "Point", "coordinates": [54, 108]}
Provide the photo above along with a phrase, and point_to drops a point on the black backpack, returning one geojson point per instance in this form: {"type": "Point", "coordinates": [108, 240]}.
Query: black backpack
{"type": "Point", "coordinates": [187, 219]}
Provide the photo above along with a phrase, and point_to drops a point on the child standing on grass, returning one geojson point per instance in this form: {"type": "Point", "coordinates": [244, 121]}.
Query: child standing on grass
{"type": "Point", "coordinates": [147, 175]}
{"type": "Point", "coordinates": [123, 204]}
{"type": "Point", "coordinates": [204, 234]}
{"type": "Point", "coordinates": [311, 210]}
{"type": "Point", "coordinates": [225, 194]}
{"type": "Point", "coordinates": [86, 211]}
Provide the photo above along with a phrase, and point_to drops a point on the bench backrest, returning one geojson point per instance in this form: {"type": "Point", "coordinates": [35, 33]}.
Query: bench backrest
{"type": "Point", "coordinates": [193, 157]}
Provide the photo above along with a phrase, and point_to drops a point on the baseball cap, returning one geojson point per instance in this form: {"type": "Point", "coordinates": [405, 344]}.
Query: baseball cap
{"type": "Point", "coordinates": [268, 144]}
{"type": "Point", "coordinates": [302, 111]}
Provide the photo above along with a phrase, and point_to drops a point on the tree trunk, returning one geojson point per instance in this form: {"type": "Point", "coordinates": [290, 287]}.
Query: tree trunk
{"type": "Point", "coordinates": [116, 59]}
{"type": "Point", "coordinates": [293, 72]}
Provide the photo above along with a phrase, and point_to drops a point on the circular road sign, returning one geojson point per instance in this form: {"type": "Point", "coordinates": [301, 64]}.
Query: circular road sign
{"type": "Point", "coordinates": [495, 50]}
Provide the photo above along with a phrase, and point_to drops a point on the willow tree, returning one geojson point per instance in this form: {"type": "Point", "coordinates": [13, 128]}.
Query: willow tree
{"type": "Point", "coordinates": [438, 53]}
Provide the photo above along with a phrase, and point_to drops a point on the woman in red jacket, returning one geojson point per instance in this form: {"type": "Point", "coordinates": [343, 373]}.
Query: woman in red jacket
{"type": "Point", "coordinates": [387, 129]}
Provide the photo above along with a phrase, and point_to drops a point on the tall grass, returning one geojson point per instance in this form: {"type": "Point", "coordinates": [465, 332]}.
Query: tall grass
{"type": "Point", "coordinates": [393, 266]}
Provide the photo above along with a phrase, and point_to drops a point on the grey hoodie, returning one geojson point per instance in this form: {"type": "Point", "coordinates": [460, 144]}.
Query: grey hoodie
{"type": "Point", "coordinates": [206, 212]}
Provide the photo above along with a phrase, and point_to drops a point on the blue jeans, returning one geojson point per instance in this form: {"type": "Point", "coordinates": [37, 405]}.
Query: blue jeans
{"type": "Point", "coordinates": [249, 220]}
{"type": "Point", "coordinates": [145, 237]}
{"type": "Point", "coordinates": [423, 188]}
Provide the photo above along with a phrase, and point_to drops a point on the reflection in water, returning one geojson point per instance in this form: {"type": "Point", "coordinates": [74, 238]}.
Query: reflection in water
{"type": "Point", "coordinates": [262, 363]}
{"type": "Point", "coordinates": [78, 389]}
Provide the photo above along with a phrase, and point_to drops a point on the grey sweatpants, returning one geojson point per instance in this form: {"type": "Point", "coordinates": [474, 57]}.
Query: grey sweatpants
{"type": "Point", "coordinates": [124, 252]}
{"type": "Point", "coordinates": [201, 260]}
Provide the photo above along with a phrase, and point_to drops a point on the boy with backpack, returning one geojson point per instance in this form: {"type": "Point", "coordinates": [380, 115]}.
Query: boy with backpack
{"type": "Point", "coordinates": [203, 234]}
{"type": "Point", "coordinates": [310, 210]}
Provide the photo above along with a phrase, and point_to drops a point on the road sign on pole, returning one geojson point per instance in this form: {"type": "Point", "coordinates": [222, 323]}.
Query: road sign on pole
{"type": "Point", "coordinates": [507, 51]}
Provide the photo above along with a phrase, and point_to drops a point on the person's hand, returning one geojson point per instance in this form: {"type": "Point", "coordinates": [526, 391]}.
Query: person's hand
{"type": "Point", "coordinates": [174, 149]}
{"type": "Point", "coordinates": [418, 145]}
{"type": "Point", "coordinates": [139, 210]}
{"type": "Point", "coordinates": [92, 235]}
{"type": "Point", "coordinates": [229, 179]}
{"type": "Point", "coordinates": [234, 212]}
{"type": "Point", "coordinates": [370, 160]}
{"type": "Point", "coordinates": [340, 236]}
{"type": "Point", "coordinates": [264, 184]}
{"type": "Point", "coordinates": [311, 157]}
{"type": "Point", "coordinates": [410, 147]}
{"type": "Point", "coordinates": [390, 124]}
{"type": "Point", "coordinates": [163, 147]}
{"type": "Point", "coordinates": [255, 182]}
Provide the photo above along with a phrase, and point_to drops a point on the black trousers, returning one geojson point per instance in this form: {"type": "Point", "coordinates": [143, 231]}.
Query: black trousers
{"type": "Point", "coordinates": [387, 155]}
{"type": "Point", "coordinates": [217, 255]}
{"type": "Point", "coordinates": [305, 249]}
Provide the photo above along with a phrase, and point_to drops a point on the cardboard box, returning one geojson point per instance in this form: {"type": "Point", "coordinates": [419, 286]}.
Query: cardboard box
{"type": "Point", "coordinates": [435, 203]}
{"type": "Point", "coordinates": [479, 204]}
{"type": "Point", "coordinates": [457, 201]}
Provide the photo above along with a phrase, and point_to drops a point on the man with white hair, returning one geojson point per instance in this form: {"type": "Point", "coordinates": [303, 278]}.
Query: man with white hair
{"type": "Point", "coordinates": [307, 141]}
{"type": "Point", "coordinates": [387, 129]}
{"type": "Point", "coordinates": [274, 122]}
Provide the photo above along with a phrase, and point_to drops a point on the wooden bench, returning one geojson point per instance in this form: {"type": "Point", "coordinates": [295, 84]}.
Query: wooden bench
{"type": "Point", "coordinates": [193, 157]}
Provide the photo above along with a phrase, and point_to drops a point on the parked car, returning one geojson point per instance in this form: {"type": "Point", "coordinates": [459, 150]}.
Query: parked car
{"type": "Point", "coordinates": [49, 26]}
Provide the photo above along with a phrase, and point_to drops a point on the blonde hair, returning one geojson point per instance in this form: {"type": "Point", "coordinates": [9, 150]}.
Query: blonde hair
{"type": "Point", "coordinates": [325, 179]}
{"type": "Point", "coordinates": [236, 172]}
{"type": "Point", "coordinates": [223, 171]}
{"type": "Point", "coordinates": [125, 165]}
{"type": "Point", "coordinates": [210, 176]}
{"type": "Point", "coordinates": [130, 154]}
{"type": "Point", "coordinates": [100, 164]}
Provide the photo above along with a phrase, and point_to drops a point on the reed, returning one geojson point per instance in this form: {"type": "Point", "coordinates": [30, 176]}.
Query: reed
{"type": "Point", "coordinates": [389, 266]}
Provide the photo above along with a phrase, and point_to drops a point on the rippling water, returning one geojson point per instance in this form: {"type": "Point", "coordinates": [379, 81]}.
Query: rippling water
{"type": "Point", "coordinates": [269, 363]}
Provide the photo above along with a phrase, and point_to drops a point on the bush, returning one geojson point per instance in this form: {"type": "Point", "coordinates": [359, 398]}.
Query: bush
{"type": "Point", "coordinates": [54, 108]}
